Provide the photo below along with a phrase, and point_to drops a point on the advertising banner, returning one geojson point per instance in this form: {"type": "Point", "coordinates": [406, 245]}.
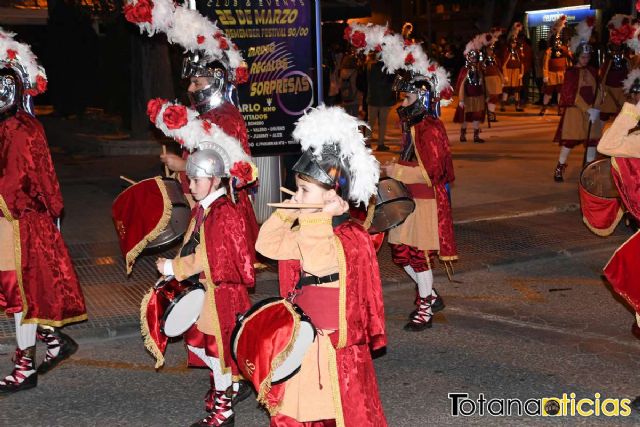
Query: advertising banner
{"type": "Point", "coordinates": [547, 17]}
{"type": "Point", "coordinates": [279, 40]}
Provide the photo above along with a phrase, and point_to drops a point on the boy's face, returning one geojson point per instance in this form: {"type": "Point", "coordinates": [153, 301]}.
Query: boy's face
{"type": "Point", "coordinates": [198, 83]}
{"type": "Point", "coordinates": [308, 192]}
{"type": "Point", "coordinates": [583, 59]}
{"type": "Point", "coordinates": [202, 187]}
{"type": "Point", "coordinates": [409, 98]}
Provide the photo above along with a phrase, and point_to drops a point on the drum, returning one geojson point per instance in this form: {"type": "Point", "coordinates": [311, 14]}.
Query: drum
{"type": "Point", "coordinates": [150, 215]}
{"type": "Point", "coordinates": [393, 205]}
{"type": "Point", "coordinates": [180, 305]}
{"type": "Point", "coordinates": [180, 217]}
{"type": "Point", "coordinates": [270, 340]}
{"type": "Point", "coordinates": [596, 179]}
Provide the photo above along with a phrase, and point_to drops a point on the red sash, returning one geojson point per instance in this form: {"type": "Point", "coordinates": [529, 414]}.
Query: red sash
{"type": "Point", "coordinates": [320, 304]}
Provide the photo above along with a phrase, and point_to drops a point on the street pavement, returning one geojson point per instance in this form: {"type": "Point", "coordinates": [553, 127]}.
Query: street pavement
{"type": "Point", "coordinates": [528, 314]}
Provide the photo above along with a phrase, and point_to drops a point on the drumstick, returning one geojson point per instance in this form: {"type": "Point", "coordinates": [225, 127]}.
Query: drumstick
{"type": "Point", "coordinates": [162, 279]}
{"type": "Point", "coordinates": [296, 205]}
{"type": "Point", "coordinates": [287, 191]}
{"type": "Point", "coordinates": [166, 168]}
{"type": "Point", "coordinates": [129, 180]}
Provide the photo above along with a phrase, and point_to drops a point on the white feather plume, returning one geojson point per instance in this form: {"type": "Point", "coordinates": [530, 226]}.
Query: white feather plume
{"type": "Point", "coordinates": [332, 125]}
{"type": "Point", "coordinates": [23, 56]}
{"type": "Point", "coordinates": [617, 19]}
{"type": "Point", "coordinates": [559, 25]}
{"type": "Point", "coordinates": [632, 77]}
{"type": "Point", "coordinates": [478, 42]}
{"type": "Point", "coordinates": [189, 29]}
{"type": "Point", "coordinates": [393, 52]}
{"type": "Point", "coordinates": [583, 34]}
{"type": "Point", "coordinates": [515, 30]}
{"type": "Point", "coordinates": [496, 33]}
{"type": "Point", "coordinates": [196, 133]}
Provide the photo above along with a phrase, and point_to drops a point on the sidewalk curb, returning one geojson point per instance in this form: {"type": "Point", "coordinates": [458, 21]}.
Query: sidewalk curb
{"type": "Point", "coordinates": [388, 287]}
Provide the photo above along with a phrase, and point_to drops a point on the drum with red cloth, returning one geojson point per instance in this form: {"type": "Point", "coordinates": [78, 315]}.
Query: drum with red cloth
{"type": "Point", "coordinates": [168, 310]}
{"type": "Point", "coordinates": [179, 305]}
{"type": "Point", "coordinates": [270, 340]}
{"type": "Point", "coordinates": [599, 198]}
{"type": "Point", "coordinates": [150, 215]}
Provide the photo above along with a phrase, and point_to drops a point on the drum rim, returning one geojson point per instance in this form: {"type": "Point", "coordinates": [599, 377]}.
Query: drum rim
{"type": "Point", "coordinates": [371, 230]}
{"type": "Point", "coordinates": [589, 166]}
{"type": "Point", "coordinates": [295, 371]}
{"type": "Point", "coordinates": [165, 315]}
{"type": "Point", "coordinates": [386, 178]}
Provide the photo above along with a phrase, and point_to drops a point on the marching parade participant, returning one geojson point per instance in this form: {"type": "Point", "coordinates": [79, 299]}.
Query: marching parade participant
{"type": "Point", "coordinates": [328, 265]}
{"type": "Point", "coordinates": [425, 168]}
{"type": "Point", "coordinates": [214, 66]}
{"type": "Point", "coordinates": [38, 285]}
{"type": "Point", "coordinates": [512, 69]}
{"type": "Point", "coordinates": [470, 89]}
{"type": "Point", "coordinates": [215, 253]}
{"type": "Point", "coordinates": [526, 56]}
{"type": "Point", "coordinates": [554, 63]}
{"type": "Point", "coordinates": [615, 68]}
{"type": "Point", "coordinates": [580, 122]}
{"type": "Point", "coordinates": [493, 77]}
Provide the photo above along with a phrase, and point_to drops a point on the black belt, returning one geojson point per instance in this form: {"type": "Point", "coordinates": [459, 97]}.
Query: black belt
{"type": "Point", "coordinates": [316, 280]}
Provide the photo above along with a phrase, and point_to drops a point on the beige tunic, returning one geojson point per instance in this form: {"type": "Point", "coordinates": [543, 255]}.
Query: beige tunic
{"type": "Point", "coordinates": [187, 266]}
{"type": "Point", "coordinates": [420, 229]}
{"type": "Point", "coordinates": [575, 123]}
{"type": "Point", "coordinates": [611, 99]}
{"type": "Point", "coordinates": [308, 395]}
{"type": "Point", "coordinates": [7, 249]}
{"type": "Point", "coordinates": [552, 77]}
{"type": "Point", "coordinates": [493, 84]}
{"type": "Point", "coordinates": [617, 141]}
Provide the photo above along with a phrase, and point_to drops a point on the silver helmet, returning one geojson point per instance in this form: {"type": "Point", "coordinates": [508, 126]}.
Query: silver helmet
{"type": "Point", "coordinates": [329, 168]}
{"type": "Point", "coordinates": [207, 163]}
{"type": "Point", "coordinates": [428, 98]}
{"type": "Point", "coordinates": [12, 88]}
{"type": "Point", "coordinates": [219, 88]}
{"type": "Point", "coordinates": [8, 91]}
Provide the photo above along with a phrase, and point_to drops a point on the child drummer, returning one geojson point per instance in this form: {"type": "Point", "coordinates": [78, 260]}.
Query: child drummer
{"type": "Point", "coordinates": [322, 252]}
{"type": "Point", "coordinates": [215, 253]}
{"type": "Point", "coordinates": [425, 166]}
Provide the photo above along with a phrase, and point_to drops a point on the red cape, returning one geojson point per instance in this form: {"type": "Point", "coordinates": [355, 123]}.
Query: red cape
{"type": "Point", "coordinates": [30, 198]}
{"type": "Point", "coordinates": [362, 328]}
{"type": "Point", "coordinates": [230, 269]}
{"type": "Point", "coordinates": [432, 145]}
{"type": "Point", "coordinates": [570, 86]}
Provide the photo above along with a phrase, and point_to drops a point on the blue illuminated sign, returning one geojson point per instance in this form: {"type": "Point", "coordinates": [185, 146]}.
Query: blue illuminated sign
{"type": "Point", "coordinates": [549, 16]}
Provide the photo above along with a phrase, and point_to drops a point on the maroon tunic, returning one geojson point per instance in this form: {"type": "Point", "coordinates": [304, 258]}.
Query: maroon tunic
{"type": "Point", "coordinates": [30, 194]}
{"type": "Point", "coordinates": [474, 101]}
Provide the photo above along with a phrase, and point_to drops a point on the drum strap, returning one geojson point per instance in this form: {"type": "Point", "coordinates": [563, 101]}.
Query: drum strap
{"type": "Point", "coordinates": [188, 249]}
{"type": "Point", "coordinates": [317, 280]}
